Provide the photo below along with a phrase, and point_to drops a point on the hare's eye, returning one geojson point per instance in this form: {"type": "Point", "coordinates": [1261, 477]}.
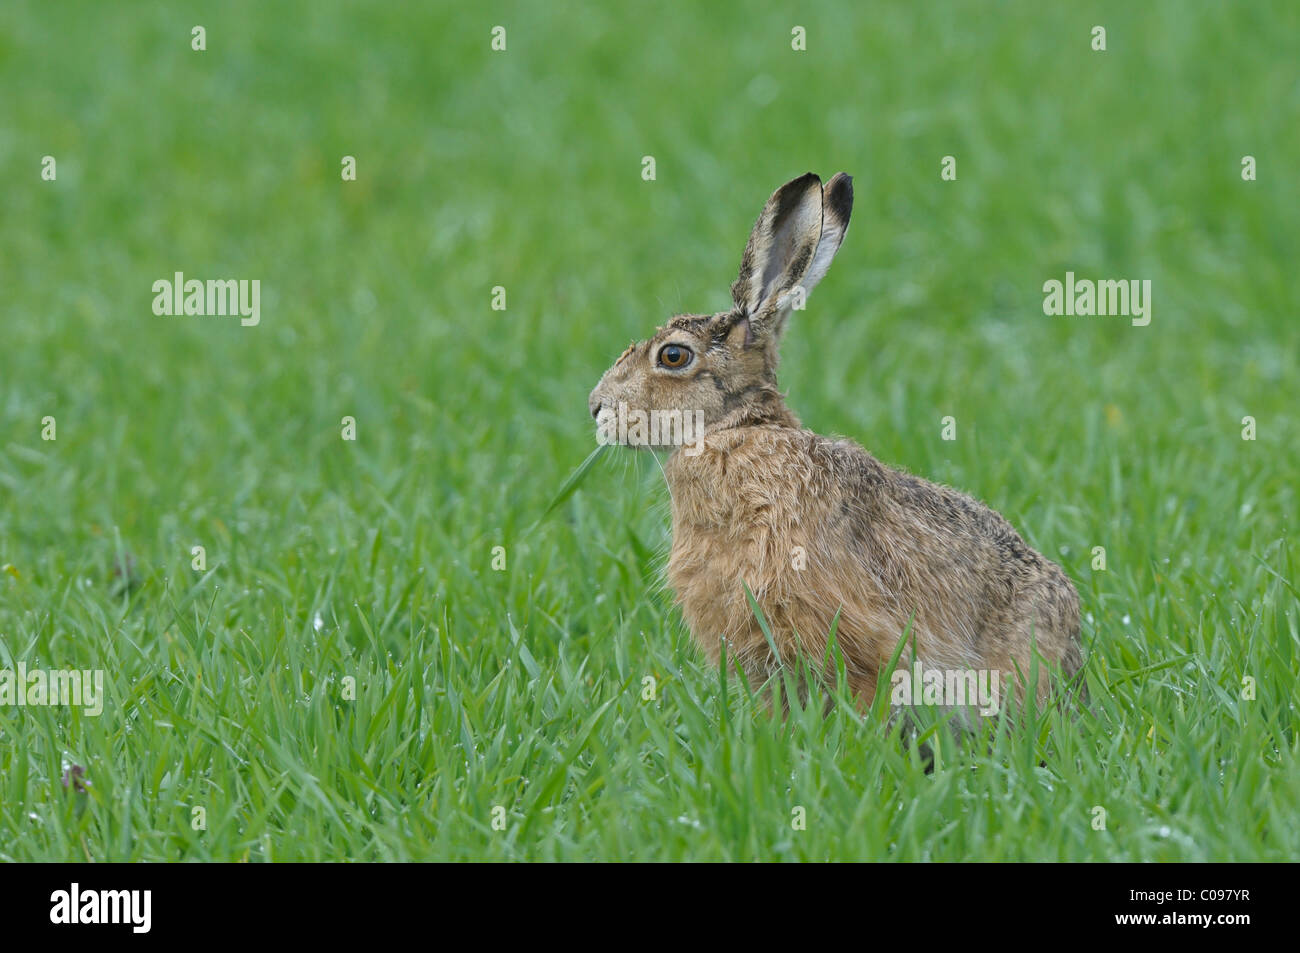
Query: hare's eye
{"type": "Point", "coordinates": [674, 355]}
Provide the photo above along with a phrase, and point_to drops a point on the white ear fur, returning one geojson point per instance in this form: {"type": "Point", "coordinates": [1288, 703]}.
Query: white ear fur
{"type": "Point", "coordinates": [837, 206]}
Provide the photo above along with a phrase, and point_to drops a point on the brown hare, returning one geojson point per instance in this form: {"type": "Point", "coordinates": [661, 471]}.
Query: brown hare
{"type": "Point", "coordinates": [817, 527]}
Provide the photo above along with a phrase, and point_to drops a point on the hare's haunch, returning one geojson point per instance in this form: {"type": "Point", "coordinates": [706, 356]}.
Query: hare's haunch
{"type": "Point", "coordinates": [816, 526]}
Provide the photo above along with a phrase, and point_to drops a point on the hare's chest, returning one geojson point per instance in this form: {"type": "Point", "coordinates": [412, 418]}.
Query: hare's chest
{"type": "Point", "coordinates": [713, 559]}
{"type": "Point", "coordinates": [708, 571]}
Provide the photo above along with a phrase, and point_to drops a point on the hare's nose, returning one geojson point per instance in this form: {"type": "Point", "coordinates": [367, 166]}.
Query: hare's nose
{"type": "Point", "coordinates": [593, 404]}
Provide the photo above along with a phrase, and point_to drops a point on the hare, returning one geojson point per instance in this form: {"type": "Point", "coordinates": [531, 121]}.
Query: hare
{"type": "Point", "coordinates": [818, 528]}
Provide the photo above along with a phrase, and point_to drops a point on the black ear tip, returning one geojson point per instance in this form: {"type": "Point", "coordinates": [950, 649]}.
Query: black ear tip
{"type": "Point", "coordinates": [806, 180]}
{"type": "Point", "coordinates": [795, 194]}
{"type": "Point", "coordinates": [839, 194]}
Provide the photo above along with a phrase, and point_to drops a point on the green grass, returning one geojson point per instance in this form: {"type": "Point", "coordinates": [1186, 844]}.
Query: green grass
{"type": "Point", "coordinates": [523, 689]}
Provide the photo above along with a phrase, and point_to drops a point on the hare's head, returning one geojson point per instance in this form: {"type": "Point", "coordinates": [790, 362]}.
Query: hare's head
{"type": "Point", "coordinates": [720, 370]}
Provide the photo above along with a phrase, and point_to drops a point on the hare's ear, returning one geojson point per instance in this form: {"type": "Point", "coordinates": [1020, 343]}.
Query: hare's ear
{"type": "Point", "coordinates": [837, 206]}
{"type": "Point", "coordinates": [793, 242]}
{"type": "Point", "coordinates": [780, 250]}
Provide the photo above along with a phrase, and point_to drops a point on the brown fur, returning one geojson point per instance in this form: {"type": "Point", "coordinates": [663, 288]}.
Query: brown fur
{"type": "Point", "coordinates": [880, 546]}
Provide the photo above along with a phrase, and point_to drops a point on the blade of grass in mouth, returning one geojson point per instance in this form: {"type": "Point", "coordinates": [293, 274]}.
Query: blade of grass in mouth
{"type": "Point", "coordinates": [575, 479]}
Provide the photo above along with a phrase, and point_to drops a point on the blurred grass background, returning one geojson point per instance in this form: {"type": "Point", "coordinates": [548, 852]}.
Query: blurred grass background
{"type": "Point", "coordinates": [522, 168]}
